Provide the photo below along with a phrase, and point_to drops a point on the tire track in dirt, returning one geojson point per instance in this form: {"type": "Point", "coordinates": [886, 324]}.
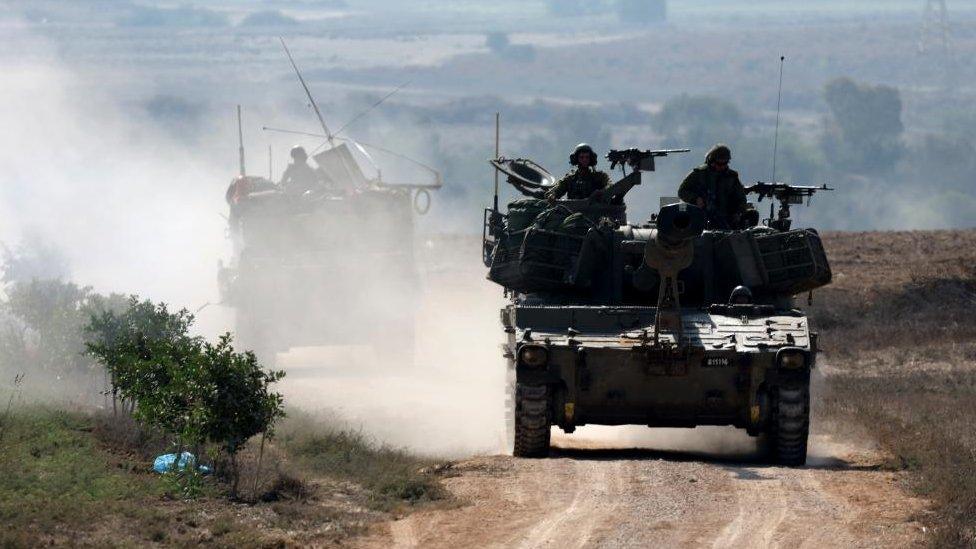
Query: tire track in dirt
{"type": "Point", "coordinates": [640, 498]}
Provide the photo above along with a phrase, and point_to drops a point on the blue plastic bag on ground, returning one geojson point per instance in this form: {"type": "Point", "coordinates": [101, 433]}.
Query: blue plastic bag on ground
{"type": "Point", "coordinates": [165, 463]}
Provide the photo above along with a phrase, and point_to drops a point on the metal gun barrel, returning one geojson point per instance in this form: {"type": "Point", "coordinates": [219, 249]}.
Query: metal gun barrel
{"type": "Point", "coordinates": [678, 224]}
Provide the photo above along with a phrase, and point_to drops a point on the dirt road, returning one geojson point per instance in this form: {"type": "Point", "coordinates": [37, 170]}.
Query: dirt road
{"type": "Point", "coordinates": [589, 497]}
{"type": "Point", "coordinates": [599, 488]}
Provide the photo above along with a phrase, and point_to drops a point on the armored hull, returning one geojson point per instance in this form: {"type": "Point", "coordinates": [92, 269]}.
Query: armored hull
{"type": "Point", "coordinates": [602, 368]}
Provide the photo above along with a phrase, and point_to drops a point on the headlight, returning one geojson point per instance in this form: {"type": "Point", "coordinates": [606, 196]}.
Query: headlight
{"type": "Point", "coordinates": [533, 356]}
{"type": "Point", "coordinates": [792, 360]}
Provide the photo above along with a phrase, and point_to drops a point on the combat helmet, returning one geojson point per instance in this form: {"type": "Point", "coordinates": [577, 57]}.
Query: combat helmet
{"type": "Point", "coordinates": [720, 151]}
{"type": "Point", "coordinates": [298, 153]}
{"type": "Point", "coordinates": [583, 147]}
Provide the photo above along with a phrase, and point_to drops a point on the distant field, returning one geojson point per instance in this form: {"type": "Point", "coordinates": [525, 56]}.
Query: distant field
{"type": "Point", "coordinates": [899, 338]}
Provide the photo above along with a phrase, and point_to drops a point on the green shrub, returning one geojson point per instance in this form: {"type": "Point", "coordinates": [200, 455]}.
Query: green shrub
{"type": "Point", "coordinates": [42, 336]}
{"type": "Point", "coordinates": [198, 392]}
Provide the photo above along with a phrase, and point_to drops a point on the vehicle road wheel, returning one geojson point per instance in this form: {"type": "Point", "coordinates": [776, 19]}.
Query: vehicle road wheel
{"type": "Point", "coordinates": [532, 422]}
{"type": "Point", "coordinates": [791, 425]}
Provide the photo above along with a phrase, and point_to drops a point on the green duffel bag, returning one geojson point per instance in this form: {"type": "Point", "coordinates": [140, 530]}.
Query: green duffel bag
{"type": "Point", "coordinates": [551, 219]}
{"type": "Point", "coordinates": [577, 224]}
{"type": "Point", "coordinates": [521, 213]}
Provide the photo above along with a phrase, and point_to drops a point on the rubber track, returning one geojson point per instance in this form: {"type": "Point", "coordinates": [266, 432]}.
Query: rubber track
{"type": "Point", "coordinates": [532, 423]}
{"type": "Point", "coordinates": [792, 424]}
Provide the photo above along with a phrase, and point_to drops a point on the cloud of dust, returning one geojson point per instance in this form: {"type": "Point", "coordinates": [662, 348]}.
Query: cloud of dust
{"type": "Point", "coordinates": [714, 441]}
{"type": "Point", "coordinates": [136, 208]}
{"type": "Point", "coordinates": [133, 209]}
{"type": "Point", "coordinates": [447, 400]}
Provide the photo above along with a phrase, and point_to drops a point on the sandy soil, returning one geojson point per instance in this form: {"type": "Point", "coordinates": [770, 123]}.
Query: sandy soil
{"type": "Point", "coordinates": [589, 497]}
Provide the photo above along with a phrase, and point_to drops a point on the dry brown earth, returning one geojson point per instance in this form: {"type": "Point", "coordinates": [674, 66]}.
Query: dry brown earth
{"type": "Point", "coordinates": [593, 492]}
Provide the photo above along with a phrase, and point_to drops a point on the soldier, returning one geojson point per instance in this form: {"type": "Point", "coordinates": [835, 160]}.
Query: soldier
{"type": "Point", "coordinates": [299, 177]}
{"type": "Point", "coordinates": [583, 182]}
{"type": "Point", "coordinates": [716, 188]}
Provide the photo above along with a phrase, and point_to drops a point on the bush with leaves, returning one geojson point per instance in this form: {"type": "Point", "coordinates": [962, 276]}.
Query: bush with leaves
{"type": "Point", "coordinates": [198, 392]}
{"type": "Point", "coordinates": [142, 348]}
{"type": "Point", "coordinates": [42, 336]}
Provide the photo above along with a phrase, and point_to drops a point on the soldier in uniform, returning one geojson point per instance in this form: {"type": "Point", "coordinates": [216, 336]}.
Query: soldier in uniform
{"type": "Point", "coordinates": [716, 188]}
{"type": "Point", "coordinates": [583, 182]}
{"type": "Point", "coordinates": [299, 177]}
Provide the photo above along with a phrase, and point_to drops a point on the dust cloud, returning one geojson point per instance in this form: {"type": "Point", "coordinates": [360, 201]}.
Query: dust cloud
{"type": "Point", "coordinates": [133, 210]}
{"type": "Point", "coordinates": [448, 400]}
{"type": "Point", "coordinates": [136, 208]}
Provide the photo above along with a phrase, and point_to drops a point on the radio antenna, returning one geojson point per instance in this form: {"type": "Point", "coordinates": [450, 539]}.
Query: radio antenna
{"type": "Point", "coordinates": [240, 139]}
{"type": "Point", "coordinates": [371, 107]}
{"type": "Point", "coordinates": [308, 93]}
{"type": "Point", "coordinates": [779, 104]}
{"type": "Point", "coordinates": [497, 139]}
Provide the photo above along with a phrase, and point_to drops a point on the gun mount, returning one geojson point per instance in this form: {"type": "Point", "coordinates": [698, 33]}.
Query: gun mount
{"type": "Point", "coordinates": [670, 250]}
{"type": "Point", "coordinates": [787, 196]}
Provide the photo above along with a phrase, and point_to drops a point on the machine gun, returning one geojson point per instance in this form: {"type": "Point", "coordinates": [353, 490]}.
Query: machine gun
{"type": "Point", "coordinates": [637, 159]}
{"type": "Point", "coordinates": [787, 195]}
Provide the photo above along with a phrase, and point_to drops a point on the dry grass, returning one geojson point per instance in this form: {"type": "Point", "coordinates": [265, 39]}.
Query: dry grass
{"type": "Point", "coordinates": [71, 478]}
{"type": "Point", "coordinates": [899, 335]}
{"type": "Point", "coordinates": [390, 478]}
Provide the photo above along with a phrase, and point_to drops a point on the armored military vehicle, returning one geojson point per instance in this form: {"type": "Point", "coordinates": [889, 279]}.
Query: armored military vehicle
{"type": "Point", "coordinates": [331, 267]}
{"type": "Point", "coordinates": [664, 323]}
{"type": "Point", "coordinates": [329, 264]}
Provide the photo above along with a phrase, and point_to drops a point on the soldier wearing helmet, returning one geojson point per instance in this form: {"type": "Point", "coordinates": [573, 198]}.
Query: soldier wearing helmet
{"type": "Point", "coordinates": [716, 188]}
{"type": "Point", "coordinates": [584, 182]}
{"type": "Point", "coordinates": [299, 177]}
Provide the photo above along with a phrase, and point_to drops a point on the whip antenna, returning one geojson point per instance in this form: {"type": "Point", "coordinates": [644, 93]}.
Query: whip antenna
{"type": "Point", "coordinates": [240, 139]}
{"type": "Point", "coordinates": [371, 107]}
{"type": "Point", "coordinates": [497, 136]}
{"type": "Point", "coordinates": [779, 104]}
{"type": "Point", "coordinates": [308, 93]}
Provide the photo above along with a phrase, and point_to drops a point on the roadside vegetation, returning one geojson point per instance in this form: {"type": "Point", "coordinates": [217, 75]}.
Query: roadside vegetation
{"type": "Point", "coordinates": [900, 342]}
{"type": "Point", "coordinates": [93, 388]}
{"type": "Point", "coordinates": [83, 478]}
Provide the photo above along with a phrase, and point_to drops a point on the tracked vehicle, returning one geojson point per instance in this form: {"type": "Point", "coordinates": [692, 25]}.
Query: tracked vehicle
{"type": "Point", "coordinates": [331, 264]}
{"type": "Point", "coordinates": [665, 323]}
{"type": "Point", "coordinates": [327, 268]}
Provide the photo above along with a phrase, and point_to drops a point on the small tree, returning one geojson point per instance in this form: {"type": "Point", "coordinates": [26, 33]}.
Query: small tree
{"type": "Point", "coordinates": [42, 336]}
{"type": "Point", "coordinates": [236, 397]}
{"type": "Point", "coordinates": [141, 348]}
{"type": "Point", "coordinates": [196, 391]}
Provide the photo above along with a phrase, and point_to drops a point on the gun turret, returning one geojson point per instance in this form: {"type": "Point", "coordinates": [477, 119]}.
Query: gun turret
{"type": "Point", "coordinates": [787, 195]}
{"type": "Point", "coordinates": [671, 249]}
